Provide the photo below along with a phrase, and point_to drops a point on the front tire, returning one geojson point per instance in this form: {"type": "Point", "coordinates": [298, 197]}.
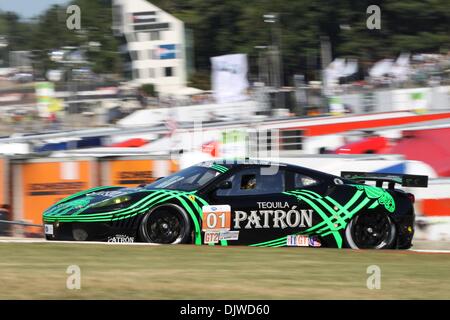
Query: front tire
{"type": "Point", "coordinates": [371, 231]}
{"type": "Point", "coordinates": [165, 224]}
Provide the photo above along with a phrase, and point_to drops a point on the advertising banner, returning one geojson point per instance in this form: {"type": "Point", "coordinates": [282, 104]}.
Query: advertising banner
{"type": "Point", "coordinates": [45, 92]}
{"type": "Point", "coordinates": [131, 172]}
{"type": "Point", "coordinates": [4, 185]}
{"type": "Point", "coordinates": [39, 184]}
{"type": "Point", "coordinates": [229, 77]}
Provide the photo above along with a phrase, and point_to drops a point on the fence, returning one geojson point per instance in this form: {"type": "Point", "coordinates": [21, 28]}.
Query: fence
{"type": "Point", "coordinates": [388, 100]}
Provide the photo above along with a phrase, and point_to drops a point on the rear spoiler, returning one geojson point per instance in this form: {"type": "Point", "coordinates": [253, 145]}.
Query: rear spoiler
{"type": "Point", "coordinates": [406, 180]}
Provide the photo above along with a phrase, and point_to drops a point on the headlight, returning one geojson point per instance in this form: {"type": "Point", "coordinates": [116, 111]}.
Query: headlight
{"type": "Point", "coordinates": [112, 202]}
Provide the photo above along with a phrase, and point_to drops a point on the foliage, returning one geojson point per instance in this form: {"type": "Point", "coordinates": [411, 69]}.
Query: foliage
{"type": "Point", "coordinates": [148, 89]}
{"type": "Point", "coordinates": [49, 32]}
{"type": "Point", "coordinates": [200, 80]}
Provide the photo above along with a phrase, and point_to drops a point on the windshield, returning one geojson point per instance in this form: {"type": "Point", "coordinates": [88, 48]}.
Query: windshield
{"type": "Point", "coordinates": [189, 179]}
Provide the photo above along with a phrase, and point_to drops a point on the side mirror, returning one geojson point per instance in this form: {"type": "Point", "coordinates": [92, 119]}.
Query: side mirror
{"type": "Point", "coordinates": [159, 178]}
{"type": "Point", "coordinates": [225, 185]}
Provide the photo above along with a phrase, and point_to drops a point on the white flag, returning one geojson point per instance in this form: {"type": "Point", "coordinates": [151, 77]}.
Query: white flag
{"type": "Point", "coordinates": [350, 68]}
{"type": "Point", "coordinates": [229, 77]}
{"type": "Point", "coordinates": [381, 68]}
{"type": "Point", "coordinates": [400, 70]}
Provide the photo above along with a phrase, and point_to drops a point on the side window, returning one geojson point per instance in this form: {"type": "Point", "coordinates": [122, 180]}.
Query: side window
{"type": "Point", "coordinates": [251, 182]}
{"type": "Point", "coordinates": [303, 181]}
{"type": "Point", "coordinates": [248, 182]}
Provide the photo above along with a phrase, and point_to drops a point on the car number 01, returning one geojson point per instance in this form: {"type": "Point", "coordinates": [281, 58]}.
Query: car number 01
{"type": "Point", "coordinates": [216, 218]}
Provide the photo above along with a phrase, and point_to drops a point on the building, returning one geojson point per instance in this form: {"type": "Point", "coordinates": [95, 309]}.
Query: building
{"type": "Point", "coordinates": [153, 44]}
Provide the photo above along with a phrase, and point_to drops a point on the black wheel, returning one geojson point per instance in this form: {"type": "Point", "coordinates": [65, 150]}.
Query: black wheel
{"type": "Point", "coordinates": [374, 230]}
{"type": "Point", "coordinates": [165, 224]}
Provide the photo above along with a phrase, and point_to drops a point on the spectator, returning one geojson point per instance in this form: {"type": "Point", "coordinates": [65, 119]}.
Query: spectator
{"type": "Point", "coordinates": [5, 216]}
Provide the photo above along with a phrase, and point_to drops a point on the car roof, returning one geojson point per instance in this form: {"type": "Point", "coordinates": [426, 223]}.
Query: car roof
{"type": "Point", "coordinates": [233, 163]}
{"type": "Point", "coordinates": [229, 163]}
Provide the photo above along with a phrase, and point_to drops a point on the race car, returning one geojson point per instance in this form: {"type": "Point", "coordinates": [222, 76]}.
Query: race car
{"type": "Point", "coordinates": [245, 202]}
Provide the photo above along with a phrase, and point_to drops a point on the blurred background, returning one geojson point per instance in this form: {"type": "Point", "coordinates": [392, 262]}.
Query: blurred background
{"type": "Point", "coordinates": [125, 91]}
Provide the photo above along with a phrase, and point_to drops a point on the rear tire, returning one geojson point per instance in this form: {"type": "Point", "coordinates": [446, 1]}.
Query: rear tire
{"type": "Point", "coordinates": [165, 224]}
{"type": "Point", "coordinates": [371, 231]}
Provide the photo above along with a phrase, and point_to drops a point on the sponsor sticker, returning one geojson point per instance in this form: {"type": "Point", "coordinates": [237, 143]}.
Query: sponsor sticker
{"type": "Point", "coordinates": [297, 241]}
{"type": "Point", "coordinates": [216, 218]}
{"type": "Point", "coordinates": [229, 235]}
{"type": "Point", "coordinates": [273, 215]}
{"type": "Point", "coordinates": [303, 241]}
{"type": "Point", "coordinates": [48, 229]}
{"type": "Point", "coordinates": [216, 236]}
{"type": "Point", "coordinates": [314, 241]}
{"type": "Point", "coordinates": [121, 238]}
{"type": "Point", "coordinates": [211, 237]}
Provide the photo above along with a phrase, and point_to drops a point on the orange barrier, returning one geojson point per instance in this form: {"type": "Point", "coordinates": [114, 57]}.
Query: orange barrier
{"type": "Point", "coordinates": [435, 207]}
{"type": "Point", "coordinates": [39, 183]}
{"type": "Point", "coordinates": [33, 185]}
{"type": "Point", "coordinates": [133, 171]}
{"type": "Point", "coordinates": [4, 181]}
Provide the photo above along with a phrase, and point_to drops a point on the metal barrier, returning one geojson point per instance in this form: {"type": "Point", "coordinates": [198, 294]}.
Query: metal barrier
{"type": "Point", "coordinates": [22, 232]}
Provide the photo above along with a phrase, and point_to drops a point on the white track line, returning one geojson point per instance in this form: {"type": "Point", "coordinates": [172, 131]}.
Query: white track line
{"type": "Point", "coordinates": [76, 242]}
{"type": "Point", "coordinates": [430, 251]}
{"type": "Point", "coordinates": [146, 244]}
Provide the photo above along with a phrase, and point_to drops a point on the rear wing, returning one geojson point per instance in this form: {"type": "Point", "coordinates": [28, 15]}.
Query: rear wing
{"type": "Point", "coordinates": [406, 180]}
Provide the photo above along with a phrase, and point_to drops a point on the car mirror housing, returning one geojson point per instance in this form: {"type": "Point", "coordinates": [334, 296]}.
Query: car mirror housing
{"type": "Point", "coordinates": [225, 185]}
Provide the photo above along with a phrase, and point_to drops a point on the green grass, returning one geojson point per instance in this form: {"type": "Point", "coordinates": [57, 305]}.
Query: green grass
{"type": "Point", "coordinates": [38, 271]}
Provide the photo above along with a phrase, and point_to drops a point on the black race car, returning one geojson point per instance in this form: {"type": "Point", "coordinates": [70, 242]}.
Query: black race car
{"type": "Point", "coordinates": [245, 202]}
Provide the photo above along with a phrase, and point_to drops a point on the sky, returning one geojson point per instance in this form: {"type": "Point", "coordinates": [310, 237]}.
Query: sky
{"type": "Point", "coordinates": [28, 8]}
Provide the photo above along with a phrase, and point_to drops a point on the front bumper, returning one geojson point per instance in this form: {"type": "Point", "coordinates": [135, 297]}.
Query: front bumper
{"type": "Point", "coordinates": [70, 231]}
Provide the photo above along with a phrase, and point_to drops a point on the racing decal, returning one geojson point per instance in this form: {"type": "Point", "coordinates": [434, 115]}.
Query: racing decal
{"type": "Point", "coordinates": [220, 168]}
{"type": "Point", "coordinates": [381, 195]}
{"type": "Point", "coordinates": [70, 207]}
{"type": "Point", "coordinates": [212, 237]}
{"type": "Point", "coordinates": [115, 193]}
{"type": "Point", "coordinates": [280, 218]}
{"type": "Point", "coordinates": [334, 215]}
{"type": "Point", "coordinates": [216, 218]}
{"type": "Point", "coordinates": [229, 235]}
{"type": "Point", "coordinates": [314, 241]}
{"type": "Point", "coordinates": [81, 193]}
{"type": "Point", "coordinates": [273, 205]}
{"type": "Point", "coordinates": [154, 198]}
{"type": "Point", "coordinates": [48, 229]}
{"type": "Point", "coordinates": [215, 166]}
{"type": "Point", "coordinates": [121, 238]}
{"type": "Point", "coordinates": [297, 241]}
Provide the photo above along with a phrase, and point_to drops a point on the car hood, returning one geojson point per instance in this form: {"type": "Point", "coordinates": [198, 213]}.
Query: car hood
{"type": "Point", "coordinates": [81, 206]}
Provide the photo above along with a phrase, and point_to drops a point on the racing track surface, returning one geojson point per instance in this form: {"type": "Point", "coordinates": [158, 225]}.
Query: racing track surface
{"type": "Point", "coordinates": [38, 269]}
{"type": "Point", "coordinates": [419, 245]}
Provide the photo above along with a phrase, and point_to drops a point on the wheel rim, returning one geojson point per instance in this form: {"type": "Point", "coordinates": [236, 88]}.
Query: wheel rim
{"type": "Point", "coordinates": [165, 227]}
{"type": "Point", "coordinates": [372, 231]}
